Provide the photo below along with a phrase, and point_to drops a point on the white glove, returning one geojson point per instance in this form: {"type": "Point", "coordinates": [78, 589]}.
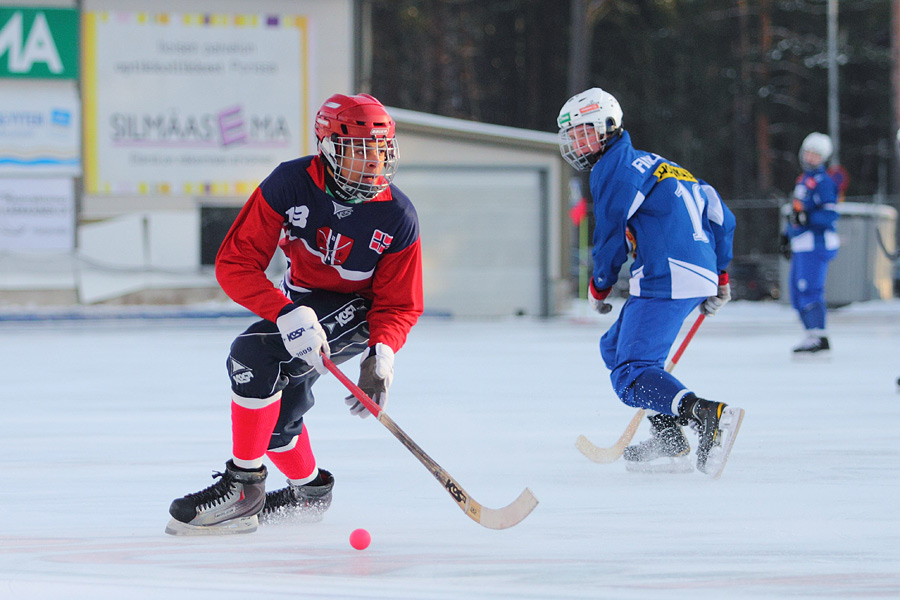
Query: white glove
{"type": "Point", "coordinates": [376, 372]}
{"type": "Point", "coordinates": [304, 337]}
{"type": "Point", "coordinates": [714, 303]}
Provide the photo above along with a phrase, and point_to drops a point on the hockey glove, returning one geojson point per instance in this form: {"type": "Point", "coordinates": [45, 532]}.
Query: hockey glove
{"type": "Point", "coordinates": [712, 304]}
{"type": "Point", "coordinates": [596, 298]}
{"type": "Point", "coordinates": [303, 336]}
{"type": "Point", "coordinates": [784, 246]}
{"type": "Point", "coordinates": [376, 372]}
{"type": "Point", "coordinates": [798, 218]}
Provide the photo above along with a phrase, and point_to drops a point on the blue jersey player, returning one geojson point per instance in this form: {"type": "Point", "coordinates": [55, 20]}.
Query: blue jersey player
{"type": "Point", "coordinates": [680, 234]}
{"type": "Point", "coordinates": [814, 241]}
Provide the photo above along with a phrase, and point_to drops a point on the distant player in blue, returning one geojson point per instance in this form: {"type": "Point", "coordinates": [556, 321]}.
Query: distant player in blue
{"type": "Point", "coordinates": [680, 234]}
{"type": "Point", "coordinates": [811, 231]}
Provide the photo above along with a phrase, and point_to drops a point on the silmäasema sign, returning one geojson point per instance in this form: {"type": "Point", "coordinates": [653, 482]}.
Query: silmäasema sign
{"type": "Point", "coordinates": [191, 104]}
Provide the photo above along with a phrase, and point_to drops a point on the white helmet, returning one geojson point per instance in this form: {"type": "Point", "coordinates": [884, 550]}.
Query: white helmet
{"type": "Point", "coordinates": [587, 122]}
{"type": "Point", "coordinates": [818, 145]}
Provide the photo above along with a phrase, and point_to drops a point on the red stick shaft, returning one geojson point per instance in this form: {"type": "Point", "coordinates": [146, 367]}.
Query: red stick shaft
{"type": "Point", "coordinates": [354, 389]}
{"type": "Point", "coordinates": [687, 339]}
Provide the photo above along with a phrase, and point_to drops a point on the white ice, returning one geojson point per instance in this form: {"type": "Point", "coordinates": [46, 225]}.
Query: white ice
{"type": "Point", "coordinates": [106, 421]}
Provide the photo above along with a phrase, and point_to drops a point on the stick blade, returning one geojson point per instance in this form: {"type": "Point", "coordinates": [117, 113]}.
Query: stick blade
{"type": "Point", "coordinates": [508, 516]}
{"type": "Point", "coordinates": [597, 454]}
{"type": "Point", "coordinates": [613, 453]}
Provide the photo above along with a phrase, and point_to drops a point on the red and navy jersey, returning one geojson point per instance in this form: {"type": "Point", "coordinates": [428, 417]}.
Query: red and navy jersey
{"type": "Point", "coordinates": [371, 248]}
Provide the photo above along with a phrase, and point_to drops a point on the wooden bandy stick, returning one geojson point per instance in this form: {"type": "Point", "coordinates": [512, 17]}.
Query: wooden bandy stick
{"type": "Point", "coordinates": [499, 518]}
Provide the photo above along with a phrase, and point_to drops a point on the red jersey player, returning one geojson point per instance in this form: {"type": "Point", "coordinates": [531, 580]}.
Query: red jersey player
{"type": "Point", "coordinates": [353, 286]}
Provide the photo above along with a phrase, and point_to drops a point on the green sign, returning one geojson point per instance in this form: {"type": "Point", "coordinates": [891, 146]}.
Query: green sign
{"type": "Point", "coordinates": [39, 43]}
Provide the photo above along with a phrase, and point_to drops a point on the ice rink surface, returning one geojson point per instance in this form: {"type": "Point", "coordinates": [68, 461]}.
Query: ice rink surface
{"type": "Point", "coordinates": [106, 421]}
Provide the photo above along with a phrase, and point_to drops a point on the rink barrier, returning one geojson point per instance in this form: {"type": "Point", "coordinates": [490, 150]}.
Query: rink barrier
{"type": "Point", "coordinates": [14, 315]}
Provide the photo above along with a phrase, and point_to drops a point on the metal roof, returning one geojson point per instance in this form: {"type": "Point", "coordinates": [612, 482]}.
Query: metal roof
{"type": "Point", "coordinates": [425, 123]}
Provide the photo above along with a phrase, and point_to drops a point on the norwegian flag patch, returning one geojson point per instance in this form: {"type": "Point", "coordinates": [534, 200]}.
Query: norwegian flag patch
{"type": "Point", "coordinates": [335, 248]}
{"type": "Point", "coordinates": [380, 241]}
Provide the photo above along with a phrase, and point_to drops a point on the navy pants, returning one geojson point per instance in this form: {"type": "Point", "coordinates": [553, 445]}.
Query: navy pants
{"type": "Point", "coordinates": [259, 365]}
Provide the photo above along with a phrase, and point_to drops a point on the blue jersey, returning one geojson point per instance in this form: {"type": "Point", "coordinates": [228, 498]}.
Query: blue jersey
{"type": "Point", "coordinates": [677, 227]}
{"type": "Point", "coordinates": [816, 193]}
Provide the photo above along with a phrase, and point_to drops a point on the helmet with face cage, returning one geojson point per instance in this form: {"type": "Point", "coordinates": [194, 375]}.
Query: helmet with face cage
{"type": "Point", "coordinates": [356, 139]}
{"type": "Point", "coordinates": [588, 122]}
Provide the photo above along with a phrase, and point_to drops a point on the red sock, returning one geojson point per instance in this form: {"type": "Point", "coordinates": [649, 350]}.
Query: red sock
{"type": "Point", "coordinates": [252, 423]}
{"type": "Point", "coordinates": [295, 460]}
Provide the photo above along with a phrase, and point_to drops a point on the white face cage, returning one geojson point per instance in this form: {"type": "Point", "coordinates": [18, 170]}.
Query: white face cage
{"type": "Point", "coordinates": [582, 145]}
{"type": "Point", "coordinates": [363, 167]}
{"type": "Point", "coordinates": [810, 160]}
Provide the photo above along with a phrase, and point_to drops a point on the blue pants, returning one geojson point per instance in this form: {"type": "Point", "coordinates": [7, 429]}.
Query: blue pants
{"type": "Point", "coordinates": [808, 271]}
{"type": "Point", "coordinates": [635, 349]}
{"type": "Point", "coordinates": [259, 365]}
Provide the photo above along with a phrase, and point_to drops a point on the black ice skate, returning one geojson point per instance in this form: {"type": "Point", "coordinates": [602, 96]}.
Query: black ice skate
{"type": "Point", "coordinates": [230, 505]}
{"type": "Point", "coordinates": [299, 503]}
{"type": "Point", "coordinates": [812, 345]}
{"type": "Point", "coordinates": [717, 426]}
{"type": "Point", "coordinates": [665, 452]}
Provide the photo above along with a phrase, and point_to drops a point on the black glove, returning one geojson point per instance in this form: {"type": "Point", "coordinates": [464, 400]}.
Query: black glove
{"type": "Point", "coordinates": [798, 218]}
{"type": "Point", "coordinates": [784, 246]}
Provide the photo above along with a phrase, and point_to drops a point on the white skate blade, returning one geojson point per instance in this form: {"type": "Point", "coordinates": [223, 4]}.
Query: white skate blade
{"type": "Point", "coordinates": [679, 465]}
{"type": "Point", "coordinates": [297, 516]}
{"type": "Point", "coordinates": [822, 356]}
{"type": "Point", "coordinates": [729, 425]}
{"type": "Point", "coordinates": [240, 525]}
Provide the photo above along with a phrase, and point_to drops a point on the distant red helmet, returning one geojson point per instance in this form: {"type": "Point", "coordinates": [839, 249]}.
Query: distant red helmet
{"type": "Point", "coordinates": [358, 126]}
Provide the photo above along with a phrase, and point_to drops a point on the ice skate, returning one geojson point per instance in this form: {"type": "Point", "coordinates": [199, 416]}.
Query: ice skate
{"type": "Point", "coordinates": [813, 344]}
{"type": "Point", "coordinates": [230, 505]}
{"type": "Point", "coordinates": [299, 503]}
{"type": "Point", "coordinates": [666, 451]}
{"type": "Point", "coordinates": [717, 426]}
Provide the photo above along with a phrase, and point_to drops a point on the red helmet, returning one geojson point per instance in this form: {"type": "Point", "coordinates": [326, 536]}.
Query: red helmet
{"type": "Point", "coordinates": [359, 116]}
{"type": "Point", "coordinates": [348, 126]}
